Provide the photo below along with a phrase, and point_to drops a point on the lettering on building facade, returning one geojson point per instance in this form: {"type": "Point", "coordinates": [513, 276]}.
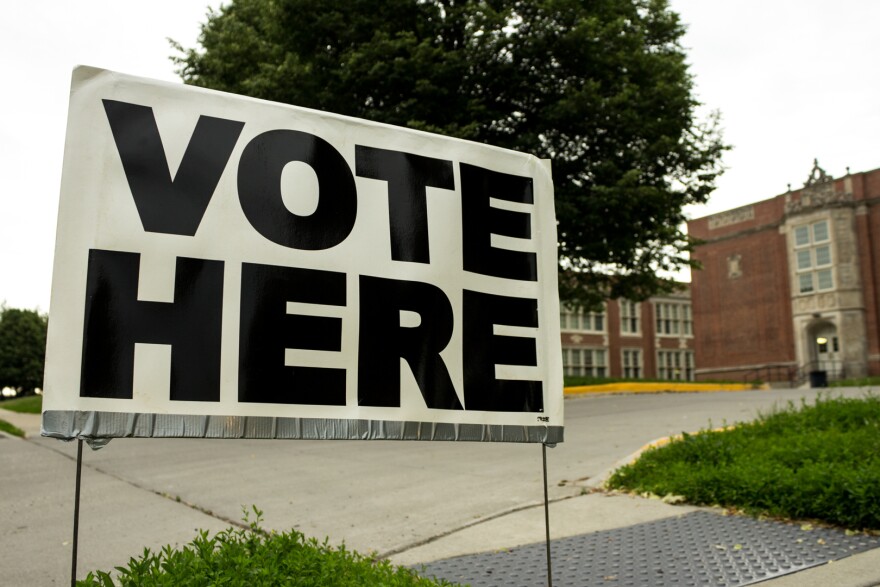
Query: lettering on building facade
{"type": "Point", "coordinates": [723, 219]}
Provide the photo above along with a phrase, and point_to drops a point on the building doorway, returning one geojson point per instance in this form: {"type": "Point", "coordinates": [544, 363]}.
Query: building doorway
{"type": "Point", "coordinates": [825, 345]}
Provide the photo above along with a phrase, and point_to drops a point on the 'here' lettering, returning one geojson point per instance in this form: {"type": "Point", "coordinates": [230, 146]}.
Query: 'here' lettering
{"type": "Point", "coordinates": [384, 341]}
{"type": "Point", "coordinates": [483, 349]}
{"type": "Point", "coordinates": [115, 320]}
{"type": "Point", "coordinates": [267, 330]}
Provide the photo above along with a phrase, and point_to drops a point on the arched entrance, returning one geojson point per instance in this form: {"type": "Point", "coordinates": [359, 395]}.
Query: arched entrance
{"type": "Point", "coordinates": [824, 344]}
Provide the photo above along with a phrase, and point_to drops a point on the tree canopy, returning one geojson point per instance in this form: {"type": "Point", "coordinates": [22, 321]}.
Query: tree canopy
{"type": "Point", "coordinates": [22, 348]}
{"type": "Point", "coordinates": [601, 87]}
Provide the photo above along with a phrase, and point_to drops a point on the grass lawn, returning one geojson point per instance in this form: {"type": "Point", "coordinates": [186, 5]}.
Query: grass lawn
{"type": "Point", "coordinates": [817, 462]}
{"type": "Point", "coordinates": [10, 429]}
{"type": "Point", "coordinates": [31, 404]}
{"type": "Point", "coordinates": [861, 382]}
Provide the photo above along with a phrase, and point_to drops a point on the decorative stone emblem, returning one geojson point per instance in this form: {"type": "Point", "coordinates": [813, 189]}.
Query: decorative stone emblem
{"type": "Point", "coordinates": [827, 301]}
{"type": "Point", "coordinates": [818, 192]}
{"type": "Point", "coordinates": [817, 176]}
{"type": "Point", "coordinates": [803, 305]}
{"type": "Point", "coordinates": [734, 268]}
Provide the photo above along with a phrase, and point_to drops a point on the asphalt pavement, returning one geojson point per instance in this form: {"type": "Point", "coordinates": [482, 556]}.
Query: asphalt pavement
{"type": "Point", "coordinates": [413, 502]}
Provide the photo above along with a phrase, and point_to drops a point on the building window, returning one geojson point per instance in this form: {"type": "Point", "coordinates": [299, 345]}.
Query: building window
{"type": "Point", "coordinates": [581, 321]}
{"type": "Point", "coordinates": [673, 319]}
{"type": "Point", "coordinates": [675, 365]}
{"type": "Point", "coordinates": [584, 362]}
{"type": "Point", "coordinates": [812, 251]}
{"type": "Point", "coordinates": [632, 363]}
{"type": "Point", "coordinates": [630, 317]}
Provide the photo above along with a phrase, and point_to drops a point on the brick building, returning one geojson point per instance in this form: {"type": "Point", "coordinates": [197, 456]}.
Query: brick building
{"type": "Point", "coordinates": [790, 285]}
{"type": "Point", "coordinates": [634, 340]}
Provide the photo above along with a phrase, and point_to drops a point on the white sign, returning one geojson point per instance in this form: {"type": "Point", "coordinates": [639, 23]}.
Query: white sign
{"type": "Point", "coordinates": [226, 266]}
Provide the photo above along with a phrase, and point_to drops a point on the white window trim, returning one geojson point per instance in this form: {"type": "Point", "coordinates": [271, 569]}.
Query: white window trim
{"type": "Point", "coordinates": [624, 319]}
{"type": "Point", "coordinates": [684, 319]}
{"type": "Point", "coordinates": [811, 247]}
{"type": "Point", "coordinates": [592, 321]}
{"type": "Point", "coordinates": [640, 362]}
{"type": "Point", "coordinates": [594, 366]}
{"type": "Point", "coordinates": [686, 367]}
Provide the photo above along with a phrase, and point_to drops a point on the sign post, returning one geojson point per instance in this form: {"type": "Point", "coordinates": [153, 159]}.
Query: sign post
{"type": "Point", "coordinates": [76, 500]}
{"type": "Point", "coordinates": [227, 267]}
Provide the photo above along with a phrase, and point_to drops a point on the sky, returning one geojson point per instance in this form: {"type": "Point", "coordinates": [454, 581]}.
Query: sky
{"type": "Point", "coordinates": [794, 81]}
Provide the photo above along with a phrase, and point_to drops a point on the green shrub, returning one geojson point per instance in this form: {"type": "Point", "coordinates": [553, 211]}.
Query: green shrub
{"type": "Point", "coordinates": [249, 557]}
{"type": "Point", "coordinates": [818, 462]}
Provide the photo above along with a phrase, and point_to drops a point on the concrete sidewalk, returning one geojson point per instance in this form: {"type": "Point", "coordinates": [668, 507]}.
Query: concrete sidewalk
{"type": "Point", "coordinates": [597, 511]}
{"type": "Point", "coordinates": [579, 515]}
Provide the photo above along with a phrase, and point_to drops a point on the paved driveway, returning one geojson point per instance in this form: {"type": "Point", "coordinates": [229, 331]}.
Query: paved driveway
{"type": "Point", "coordinates": [384, 496]}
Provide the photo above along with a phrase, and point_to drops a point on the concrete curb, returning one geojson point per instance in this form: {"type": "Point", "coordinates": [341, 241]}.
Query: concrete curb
{"type": "Point", "coordinates": [662, 387]}
{"type": "Point", "coordinates": [598, 481]}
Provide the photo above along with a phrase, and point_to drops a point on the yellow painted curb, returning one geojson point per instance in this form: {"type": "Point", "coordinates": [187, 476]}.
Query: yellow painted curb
{"type": "Point", "coordinates": [658, 387]}
{"type": "Point", "coordinates": [664, 441]}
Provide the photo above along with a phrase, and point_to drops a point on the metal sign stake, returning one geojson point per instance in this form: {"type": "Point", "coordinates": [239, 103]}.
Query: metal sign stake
{"type": "Point", "coordinates": [547, 517]}
{"type": "Point", "coordinates": [79, 454]}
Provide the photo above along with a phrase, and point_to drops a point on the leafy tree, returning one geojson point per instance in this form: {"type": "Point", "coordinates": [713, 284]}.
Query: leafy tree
{"type": "Point", "coordinates": [599, 86]}
{"type": "Point", "coordinates": [22, 348]}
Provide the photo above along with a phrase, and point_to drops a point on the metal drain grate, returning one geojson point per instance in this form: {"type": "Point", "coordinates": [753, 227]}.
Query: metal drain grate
{"type": "Point", "coordinates": [699, 549]}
